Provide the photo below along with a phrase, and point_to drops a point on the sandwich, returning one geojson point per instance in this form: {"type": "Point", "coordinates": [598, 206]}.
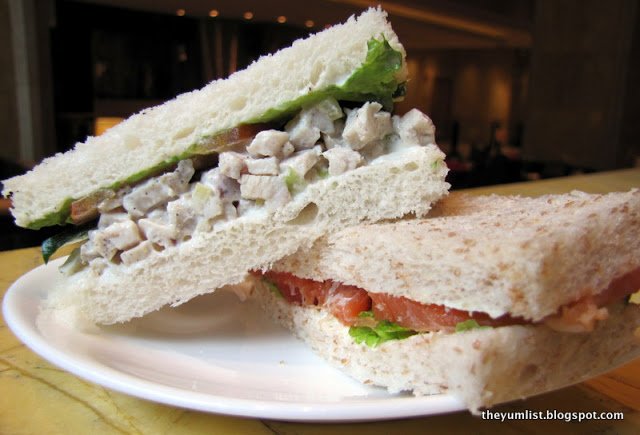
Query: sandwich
{"type": "Point", "coordinates": [187, 197]}
{"type": "Point", "coordinates": [488, 298]}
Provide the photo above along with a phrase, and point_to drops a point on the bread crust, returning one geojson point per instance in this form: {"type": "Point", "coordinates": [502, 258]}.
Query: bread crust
{"type": "Point", "coordinates": [386, 189]}
{"type": "Point", "coordinates": [495, 254]}
{"type": "Point", "coordinates": [158, 134]}
{"type": "Point", "coordinates": [482, 367]}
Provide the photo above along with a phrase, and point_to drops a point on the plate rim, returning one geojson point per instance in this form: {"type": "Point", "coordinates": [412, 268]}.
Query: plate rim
{"type": "Point", "coordinates": [379, 408]}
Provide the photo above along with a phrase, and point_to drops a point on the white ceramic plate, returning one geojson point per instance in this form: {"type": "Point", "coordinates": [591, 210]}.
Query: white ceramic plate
{"type": "Point", "coordinates": [212, 354]}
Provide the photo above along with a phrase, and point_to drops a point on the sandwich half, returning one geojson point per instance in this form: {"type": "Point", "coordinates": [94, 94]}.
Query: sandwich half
{"type": "Point", "coordinates": [489, 298]}
{"type": "Point", "coordinates": [189, 196]}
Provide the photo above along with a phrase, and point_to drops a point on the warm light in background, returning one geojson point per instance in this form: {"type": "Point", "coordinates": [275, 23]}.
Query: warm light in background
{"type": "Point", "coordinates": [309, 23]}
{"type": "Point", "coordinates": [282, 19]}
{"type": "Point", "coordinates": [213, 13]}
{"type": "Point", "coordinates": [104, 123]}
{"type": "Point", "coordinates": [181, 12]}
{"type": "Point", "coordinates": [248, 15]}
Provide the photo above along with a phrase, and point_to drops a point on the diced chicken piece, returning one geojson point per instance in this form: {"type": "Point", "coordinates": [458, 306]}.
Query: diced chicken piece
{"type": "Point", "coordinates": [113, 200]}
{"type": "Point", "coordinates": [182, 175]}
{"type": "Point", "coordinates": [415, 128]}
{"type": "Point", "coordinates": [158, 232]}
{"type": "Point", "coordinates": [116, 237]}
{"type": "Point", "coordinates": [230, 210]}
{"type": "Point", "coordinates": [267, 166]}
{"type": "Point", "coordinates": [366, 125]}
{"type": "Point", "coordinates": [287, 150]}
{"type": "Point", "coordinates": [268, 143]}
{"type": "Point", "coordinates": [302, 161]}
{"type": "Point", "coordinates": [374, 150]}
{"type": "Point", "coordinates": [178, 180]}
{"type": "Point", "coordinates": [88, 250]}
{"type": "Point", "coordinates": [273, 190]}
{"type": "Point", "coordinates": [182, 217]}
{"type": "Point", "coordinates": [305, 128]}
{"type": "Point", "coordinates": [335, 139]}
{"type": "Point", "coordinates": [137, 253]}
{"type": "Point", "coordinates": [331, 141]}
{"type": "Point", "coordinates": [228, 187]}
{"type": "Point", "coordinates": [342, 159]}
{"type": "Point", "coordinates": [107, 219]}
{"type": "Point", "coordinates": [158, 190]}
{"type": "Point", "coordinates": [123, 235]}
{"type": "Point", "coordinates": [206, 201]}
{"type": "Point", "coordinates": [231, 164]}
{"type": "Point", "coordinates": [147, 196]}
{"type": "Point", "coordinates": [301, 131]}
{"type": "Point", "coordinates": [158, 215]}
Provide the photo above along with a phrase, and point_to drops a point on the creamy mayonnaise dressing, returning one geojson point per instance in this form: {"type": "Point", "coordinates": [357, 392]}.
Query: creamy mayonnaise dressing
{"type": "Point", "coordinates": [323, 140]}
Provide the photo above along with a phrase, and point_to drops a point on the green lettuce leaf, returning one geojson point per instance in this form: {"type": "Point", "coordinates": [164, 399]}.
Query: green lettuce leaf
{"type": "Point", "coordinates": [272, 287]}
{"type": "Point", "coordinates": [70, 235]}
{"type": "Point", "coordinates": [73, 263]}
{"type": "Point", "coordinates": [383, 331]}
{"type": "Point", "coordinates": [468, 325]}
{"type": "Point", "coordinates": [374, 80]}
{"type": "Point", "coordinates": [366, 314]}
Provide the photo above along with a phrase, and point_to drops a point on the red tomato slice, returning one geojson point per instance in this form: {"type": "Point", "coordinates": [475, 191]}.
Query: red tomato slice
{"type": "Point", "coordinates": [620, 287]}
{"type": "Point", "coordinates": [346, 302]}
{"type": "Point", "coordinates": [298, 290]}
{"type": "Point", "coordinates": [343, 301]}
{"type": "Point", "coordinates": [428, 317]}
{"type": "Point", "coordinates": [583, 314]}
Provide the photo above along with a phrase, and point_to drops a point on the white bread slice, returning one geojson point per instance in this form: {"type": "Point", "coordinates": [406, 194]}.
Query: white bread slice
{"type": "Point", "coordinates": [160, 133]}
{"type": "Point", "coordinates": [482, 367]}
{"type": "Point", "coordinates": [496, 254]}
{"type": "Point", "coordinates": [407, 181]}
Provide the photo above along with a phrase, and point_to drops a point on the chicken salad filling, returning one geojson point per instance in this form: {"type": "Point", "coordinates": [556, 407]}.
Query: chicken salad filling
{"type": "Point", "coordinates": [321, 141]}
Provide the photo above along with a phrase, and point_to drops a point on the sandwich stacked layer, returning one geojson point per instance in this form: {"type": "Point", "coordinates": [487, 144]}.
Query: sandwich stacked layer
{"type": "Point", "coordinates": [189, 196]}
{"type": "Point", "coordinates": [489, 298]}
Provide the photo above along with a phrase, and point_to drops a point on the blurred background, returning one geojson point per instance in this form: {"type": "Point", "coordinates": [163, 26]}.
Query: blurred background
{"type": "Point", "coordinates": [518, 89]}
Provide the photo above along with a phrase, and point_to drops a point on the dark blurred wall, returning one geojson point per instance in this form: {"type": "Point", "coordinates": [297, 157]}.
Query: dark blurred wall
{"type": "Point", "coordinates": [65, 63]}
{"type": "Point", "coordinates": [473, 88]}
{"type": "Point", "coordinates": [9, 134]}
{"type": "Point", "coordinates": [27, 43]}
{"type": "Point", "coordinates": [630, 128]}
{"type": "Point", "coordinates": [114, 62]}
{"type": "Point", "coordinates": [584, 83]}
